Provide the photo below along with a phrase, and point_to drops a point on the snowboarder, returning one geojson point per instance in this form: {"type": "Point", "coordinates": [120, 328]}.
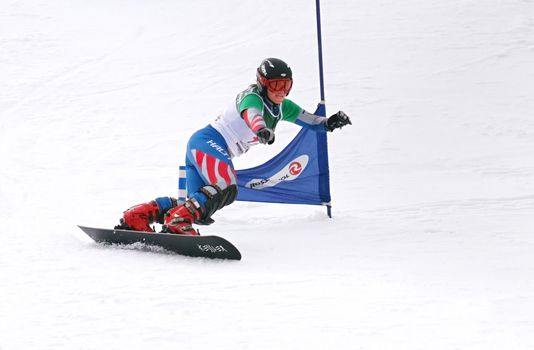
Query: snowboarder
{"type": "Point", "coordinates": [249, 120]}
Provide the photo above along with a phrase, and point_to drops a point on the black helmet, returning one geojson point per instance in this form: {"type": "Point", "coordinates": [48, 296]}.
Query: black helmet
{"type": "Point", "coordinates": [274, 69]}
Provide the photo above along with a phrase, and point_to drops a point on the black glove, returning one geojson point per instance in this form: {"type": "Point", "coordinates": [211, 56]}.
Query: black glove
{"type": "Point", "coordinates": [265, 136]}
{"type": "Point", "coordinates": [338, 120]}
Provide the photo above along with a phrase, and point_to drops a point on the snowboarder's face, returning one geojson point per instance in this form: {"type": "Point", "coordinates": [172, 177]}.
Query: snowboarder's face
{"type": "Point", "coordinates": [276, 96]}
{"type": "Point", "coordinates": [277, 88]}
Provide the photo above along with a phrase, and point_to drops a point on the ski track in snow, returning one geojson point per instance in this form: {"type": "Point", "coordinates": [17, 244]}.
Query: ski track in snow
{"type": "Point", "coordinates": [430, 246]}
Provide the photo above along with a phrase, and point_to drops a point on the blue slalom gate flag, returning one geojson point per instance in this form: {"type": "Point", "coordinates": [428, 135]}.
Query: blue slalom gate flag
{"type": "Point", "coordinates": [299, 174]}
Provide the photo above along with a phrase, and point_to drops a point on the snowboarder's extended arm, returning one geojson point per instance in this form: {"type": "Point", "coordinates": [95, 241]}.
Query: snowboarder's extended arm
{"type": "Point", "coordinates": [321, 124]}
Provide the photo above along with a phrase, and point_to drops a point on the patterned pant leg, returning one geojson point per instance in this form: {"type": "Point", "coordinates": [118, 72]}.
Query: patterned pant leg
{"type": "Point", "coordinates": [208, 163]}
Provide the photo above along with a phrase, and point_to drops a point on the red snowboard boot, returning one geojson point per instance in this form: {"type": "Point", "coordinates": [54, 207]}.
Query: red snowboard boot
{"type": "Point", "coordinates": [140, 217]}
{"type": "Point", "coordinates": [179, 220]}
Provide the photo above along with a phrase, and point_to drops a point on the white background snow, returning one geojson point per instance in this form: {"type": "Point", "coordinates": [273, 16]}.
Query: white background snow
{"type": "Point", "coordinates": [431, 243]}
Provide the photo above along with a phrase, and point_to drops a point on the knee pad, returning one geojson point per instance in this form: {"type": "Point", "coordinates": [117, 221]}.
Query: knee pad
{"type": "Point", "coordinates": [217, 199]}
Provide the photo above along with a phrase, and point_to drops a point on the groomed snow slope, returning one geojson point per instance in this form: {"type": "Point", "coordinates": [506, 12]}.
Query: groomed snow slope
{"type": "Point", "coordinates": [431, 242]}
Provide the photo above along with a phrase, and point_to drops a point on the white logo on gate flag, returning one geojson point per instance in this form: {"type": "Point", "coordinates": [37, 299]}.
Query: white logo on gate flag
{"type": "Point", "coordinates": [288, 173]}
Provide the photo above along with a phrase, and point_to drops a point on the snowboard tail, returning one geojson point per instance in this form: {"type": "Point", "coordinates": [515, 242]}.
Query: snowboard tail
{"type": "Point", "coordinates": [213, 247]}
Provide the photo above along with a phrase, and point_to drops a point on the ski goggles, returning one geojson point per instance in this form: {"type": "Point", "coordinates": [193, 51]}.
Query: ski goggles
{"type": "Point", "coordinates": [278, 84]}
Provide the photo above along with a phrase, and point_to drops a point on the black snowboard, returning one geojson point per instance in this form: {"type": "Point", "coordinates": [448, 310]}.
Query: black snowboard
{"type": "Point", "coordinates": [213, 247]}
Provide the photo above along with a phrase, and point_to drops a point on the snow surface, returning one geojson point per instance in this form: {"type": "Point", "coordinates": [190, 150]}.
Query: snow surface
{"type": "Point", "coordinates": [431, 243]}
